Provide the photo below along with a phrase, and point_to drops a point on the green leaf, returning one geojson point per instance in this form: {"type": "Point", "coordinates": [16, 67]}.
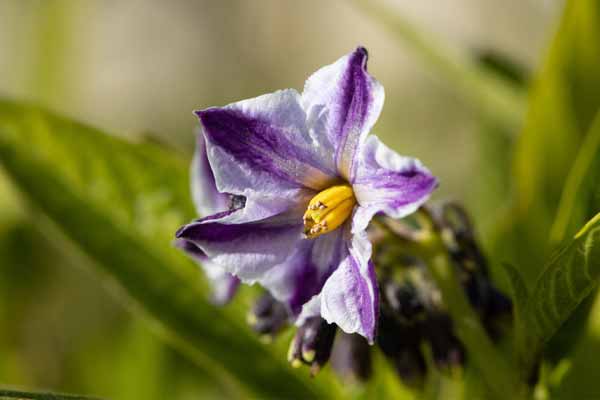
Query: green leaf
{"type": "Point", "coordinates": [16, 394]}
{"type": "Point", "coordinates": [564, 99]}
{"type": "Point", "coordinates": [121, 203]}
{"type": "Point", "coordinates": [581, 184]}
{"type": "Point", "coordinates": [567, 280]}
{"type": "Point", "coordinates": [520, 297]}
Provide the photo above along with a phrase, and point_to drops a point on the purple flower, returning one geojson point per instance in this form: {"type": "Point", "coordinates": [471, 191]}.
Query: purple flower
{"type": "Point", "coordinates": [208, 200]}
{"type": "Point", "coordinates": [312, 180]}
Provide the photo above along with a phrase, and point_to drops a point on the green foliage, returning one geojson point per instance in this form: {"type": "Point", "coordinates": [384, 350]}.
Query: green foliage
{"type": "Point", "coordinates": [580, 192]}
{"type": "Point", "coordinates": [567, 280]}
{"type": "Point", "coordinates": [564, 99]}
{"type": "Point", "coordinates": [120, 203]}
{"type": "Point", "coordinates": [520, 297]}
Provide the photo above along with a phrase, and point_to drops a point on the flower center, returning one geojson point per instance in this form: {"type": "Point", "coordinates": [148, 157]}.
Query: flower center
{"type": "Point", "coordinates": [328, 210]}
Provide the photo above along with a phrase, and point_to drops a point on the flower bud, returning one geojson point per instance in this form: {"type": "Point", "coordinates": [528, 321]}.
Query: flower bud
{"type": "Point", "coordinates": [312, 344]}
{"type": "Point", "coordinates": [351, 357]}
{"type": "Point", "coordinates": [268, 316]}
{"type": "Point", "coordinates": [402, 299]}
{"type": "Point", "coordinates": [400, 343]}
{"type": "Point", "coordinates": [447, 350]}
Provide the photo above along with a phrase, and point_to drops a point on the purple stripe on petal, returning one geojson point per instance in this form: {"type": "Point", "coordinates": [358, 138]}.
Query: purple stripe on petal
{"type": "Point", "coordinates": [325, 256]}
{"type": "Point", "coordinates": [180, 234]}
{"type": "Point", "coordinates": [306, 285]}
{"type": "Point", "coordinates": [268, 137]}
{"type": "Point", "coordinates": [349, 297]}
{"type": "Point", "coordinates": [372, 278]}
{"type": "Point", "coordinates": [353, 100]}
{"type": "Point", "coordinates": [204, 230]}
{"type": "Point", "coordinates": [353, 108]}
{"type": "Point", "coordinates": [388, 183]}
{"type": "Point", "coordinates": [247, 250]}
{"type": "Point", "coordinates": [207, 199]}
{"type": "Point", "coordinates": [396, 188]}
{"type": "Point", "coordinates": [302, 275]}
{"type": "Point", "coordinates": [191, 250]}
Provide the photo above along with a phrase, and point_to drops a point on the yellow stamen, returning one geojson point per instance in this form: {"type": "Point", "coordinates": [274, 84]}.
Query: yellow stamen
{"type": "Point", "coordinates": [328, 210]}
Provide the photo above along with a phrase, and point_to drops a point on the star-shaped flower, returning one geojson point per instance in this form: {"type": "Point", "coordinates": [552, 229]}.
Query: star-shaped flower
{"type": "Point", "coordinates": [312, 180]}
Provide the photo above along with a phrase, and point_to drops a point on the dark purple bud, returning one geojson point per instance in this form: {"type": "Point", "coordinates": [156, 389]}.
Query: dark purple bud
{"type": "Point", "coordinates": [312, 344]}
{"type": "Point", "coordinates": [400, 343]}
{"type": "Point", "coordinates": [489, 302]}
{"type": "Point", "coordinates": [467, 255]}
{"type": "Point", "coordinates": [403, 300]}
{"type": "Point", "coordinates": [351, 357]}
{"type": "Point", "coordinates": [268, 316]}
{"type": "Point", "coordinates": [459, 237]}
{"type": "Point", "coordinates": [447, 351]}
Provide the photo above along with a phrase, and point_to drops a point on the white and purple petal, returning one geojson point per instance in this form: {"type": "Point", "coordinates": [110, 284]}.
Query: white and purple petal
{"type": "Point", "coordinates": [263, 143]}
{"type": "Point", "coordinates": [223, 284]}
{"type": "Point", "coordinates": [350, 296]}
{"type": "Point", "coordinates": [247, 250]}
{"type": "Point", "coordinates": [352, 101]}
{"type": "Point", "coordinates": [388, 183]}
{"type": "Point", "coordinates": [278, 151]}
{"type": "Point", "coordinates": [207, 199]}
{"type": "Point", "coordinates": [302, 275]}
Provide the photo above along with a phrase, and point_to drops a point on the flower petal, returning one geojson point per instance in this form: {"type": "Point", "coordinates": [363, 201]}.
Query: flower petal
{"type": "Point", "coordinates": [207, 199]}
{"type": "Point", "coordinates": [303, 274]}
{"type": "Point", "coordinates": [246, 250]}
{"type": "Point", "coordinates": [264, 144]}
{"type": "Point", "coordinates": [350, 297]}
{"type": "Point", "coordinates": [389, 183]}
{"type": "Point", "coordinates": [224, 285]}
{"type": "Point", "coordinates": [352, 100]}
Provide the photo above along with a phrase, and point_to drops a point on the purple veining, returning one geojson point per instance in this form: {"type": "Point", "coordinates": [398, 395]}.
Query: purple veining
{"type": "Point", "coordinates": [204, 230]}
{"type": "Point", "coordinates": [278, 151]}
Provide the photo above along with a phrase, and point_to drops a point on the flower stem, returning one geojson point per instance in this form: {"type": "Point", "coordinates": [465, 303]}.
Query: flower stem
{"type": "Point", "coordinates": [494, 367]}
{"type": "Point", "coordinates": [427, 243]}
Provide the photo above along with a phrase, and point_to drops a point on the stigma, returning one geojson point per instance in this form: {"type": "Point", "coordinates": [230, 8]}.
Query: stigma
{"type": "Point", "coordinates": [328, 210]}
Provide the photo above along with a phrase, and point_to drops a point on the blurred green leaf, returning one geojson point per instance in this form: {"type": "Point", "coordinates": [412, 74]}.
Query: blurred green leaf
{"type": "Point", "coordinates": [567, 280]}
{"type": "Point", "coordinates": [565, 97]}
{"type": "Point", "coordinates": [581, 379]}
{"type": "Point", "coordinates": [581, 188]}
{"type": "Point", "coordinates": [15, 394]}
{"type": "Point", "coordinates": [520, 297]}
{"type": "Point", "coordinates": [121, 203]}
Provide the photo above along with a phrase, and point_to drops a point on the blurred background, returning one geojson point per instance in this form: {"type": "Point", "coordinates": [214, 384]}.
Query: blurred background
{"type": "Point", "coordinates": [139, 68]}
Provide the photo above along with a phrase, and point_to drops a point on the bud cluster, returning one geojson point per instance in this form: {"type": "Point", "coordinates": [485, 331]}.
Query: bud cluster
{"type": "Point", "coordinates": [414, 329]}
